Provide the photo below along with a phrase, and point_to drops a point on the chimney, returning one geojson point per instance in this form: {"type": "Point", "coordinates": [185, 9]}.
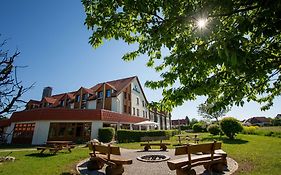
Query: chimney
{"type": "Point", "coordinates": [47, 92]}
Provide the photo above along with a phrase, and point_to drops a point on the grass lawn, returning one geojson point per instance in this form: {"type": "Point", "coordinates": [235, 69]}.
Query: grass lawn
{"type": "Point", "coordinates": [255, 155]}
{"type": "Point", "coordinates": [32, 163]}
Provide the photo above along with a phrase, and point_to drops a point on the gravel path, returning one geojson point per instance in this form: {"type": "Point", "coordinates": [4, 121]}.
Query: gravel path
{"type": "Point", "coordinates": [145, 168]}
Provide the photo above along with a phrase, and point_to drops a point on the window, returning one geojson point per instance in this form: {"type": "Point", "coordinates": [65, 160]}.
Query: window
{"type": "Point", "coordinates": [143, 104]}
{"type": "Point", "coordinates": [108, 93]}
{"type": "Point", "coordinates": [125, 95]}
{"type": "Point", "coordinates": [138, 112]}
{"type": "Point", "coordinates": [100, 94]}
{"type": "Point", "coordinates": [129, 109]}
{"type": "Point", "coordinates": [138, 101]}
{"type": "Point", "coordinates": [84, 97]}
{"type": "Point", "coordinates": [62, 103]}
{"type": "Point", "coordinates": [77, 98]}
{"type": "Point", "coordinates": [134, 111]}
{"type": "Point", "coordinates": [143, 113]}
{"type": "Point", "coordinates": [129, 96]}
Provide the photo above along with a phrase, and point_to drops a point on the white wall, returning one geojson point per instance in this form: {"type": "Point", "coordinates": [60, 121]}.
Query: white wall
{"type": "Point", "coordinates": [92, 104]}
{"type": "Point", "coordinates": [96, 125]}
{"type": "Point", "coordinates": [41, 131]}
{"type": "Point", "coordinates": [134, 96]}
{"type": "Point", "coordinates": [117, 103]}
{"type": "Point", "coordinates": [9, 130]}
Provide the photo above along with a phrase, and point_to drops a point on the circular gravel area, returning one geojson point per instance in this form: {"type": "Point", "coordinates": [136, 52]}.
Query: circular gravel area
{"type": "Point", "coordinates": [149, 168]}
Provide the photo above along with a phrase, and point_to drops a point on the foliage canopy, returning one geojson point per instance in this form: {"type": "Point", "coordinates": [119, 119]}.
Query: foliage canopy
{"type": "Point", "coordinates": [205, 111]}
{"type": "Point", "coordinates": [236, 57]}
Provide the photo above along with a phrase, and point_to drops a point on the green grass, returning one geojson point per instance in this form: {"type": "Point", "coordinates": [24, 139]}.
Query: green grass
{"type": "Point", "coordinates": [256, 155]}
{"type": "Point", "coordinates": [32, 163]}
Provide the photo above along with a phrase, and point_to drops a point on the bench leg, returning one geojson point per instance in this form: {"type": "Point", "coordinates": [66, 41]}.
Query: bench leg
{"type": "Point", "coordinates": [41, 152]}
{"type": "Point", "coordinates": [163, 147]}
{"type": "Point", "coordinates": [95, 164]}
{"type": "Point", "coordinates": [147, 147]}
{"type": "Point", "coordinates": [114, 170]}
{"type": "Point", "coordinates": [185, 171]}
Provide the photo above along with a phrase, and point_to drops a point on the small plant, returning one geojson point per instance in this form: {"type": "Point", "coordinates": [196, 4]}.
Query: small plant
{"type": "Point", "coordinates": [231, 126]}
{"type": "Point", "coordinates": [214, 129]}
{"type": "Point", "coordinates": [106, 134]}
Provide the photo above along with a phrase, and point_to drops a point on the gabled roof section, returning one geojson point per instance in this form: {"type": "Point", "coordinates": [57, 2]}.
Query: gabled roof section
{"type": "Point", "coordinates": [34, 102]}
{"type": "Point", "coordinates": [49, 100]}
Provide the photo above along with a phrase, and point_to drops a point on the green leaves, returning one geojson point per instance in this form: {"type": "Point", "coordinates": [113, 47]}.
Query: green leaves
{"type": "Point", "coordinates": [235, 58]}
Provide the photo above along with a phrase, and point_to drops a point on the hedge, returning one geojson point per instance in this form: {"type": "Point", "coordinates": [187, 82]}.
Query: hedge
{"type": "Point", "coordinates": [126, 136]}
{"type": "Point", "coordinates": [106, 134]}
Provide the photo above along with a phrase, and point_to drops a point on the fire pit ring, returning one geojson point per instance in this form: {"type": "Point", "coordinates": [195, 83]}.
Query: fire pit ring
{"type": "Point", "coordinates": [153, 158]}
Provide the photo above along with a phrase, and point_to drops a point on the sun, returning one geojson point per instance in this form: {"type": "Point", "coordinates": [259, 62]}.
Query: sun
{"type": "Point", "coordinates": [201, 23]}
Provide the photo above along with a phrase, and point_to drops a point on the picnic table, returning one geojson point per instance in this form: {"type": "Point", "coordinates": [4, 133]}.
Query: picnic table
{"type": "Point", "coordinates": [55, 146]}
{"type": "Point", "coordinates": [181, 137]}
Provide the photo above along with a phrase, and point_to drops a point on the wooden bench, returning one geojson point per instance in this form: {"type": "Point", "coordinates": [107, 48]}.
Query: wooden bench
{"type": "Point", "coordinates": [147, 146]}
{"type": "Point", "coordinates": [107, 154]}
{"type": "Point", "coordinates": [209, 155]}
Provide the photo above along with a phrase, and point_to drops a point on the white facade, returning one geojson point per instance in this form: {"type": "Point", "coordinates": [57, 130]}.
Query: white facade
{"type": "Point", "coordinates": [41, 131]}
{"type": "Point", "coordinates": [138, 100]}
{"type": "Point", "coordinates": [92, 104]}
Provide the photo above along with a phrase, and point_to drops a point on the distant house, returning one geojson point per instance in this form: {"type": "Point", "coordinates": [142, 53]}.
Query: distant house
{"type": "Point", "coordinates": [178, 122]}
{"type": "Point", "coordinates": [260, 121]}
{"type": "Point", "coordinates": [278, 116]}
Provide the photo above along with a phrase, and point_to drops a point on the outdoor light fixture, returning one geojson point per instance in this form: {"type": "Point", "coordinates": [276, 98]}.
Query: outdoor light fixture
{"type": "Point", "coordinates": [201, 23]}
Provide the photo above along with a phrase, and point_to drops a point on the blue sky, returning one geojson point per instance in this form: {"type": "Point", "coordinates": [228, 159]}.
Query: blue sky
{"type": "Point", "coordinates": [53, 42]}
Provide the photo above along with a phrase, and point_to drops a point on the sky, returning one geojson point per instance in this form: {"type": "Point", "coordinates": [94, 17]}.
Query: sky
{"type": "Point", "coordinates": [53, 42]}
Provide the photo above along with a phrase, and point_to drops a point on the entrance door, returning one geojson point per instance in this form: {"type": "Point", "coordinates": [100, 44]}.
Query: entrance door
{"type": "Point", "coordinates": [23, 133]}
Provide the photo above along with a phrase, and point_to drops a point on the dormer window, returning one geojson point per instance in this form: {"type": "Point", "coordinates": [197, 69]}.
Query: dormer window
{"type": "Point", "coordinates": [108, 93]}
{"type": "Point", "coordinates": [77, 98]}
{"type": "Point", "coordinates": [84, 97]}
{"type": "Point", "coordinates": [62, 103]}
{"type": "Point", "coordinates": [100, 94]}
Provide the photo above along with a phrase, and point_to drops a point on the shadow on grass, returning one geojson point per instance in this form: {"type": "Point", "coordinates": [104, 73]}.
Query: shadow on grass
{"type": "Point", "coordinates": [40, 155]}
{"type": "Point", "coordinates": [225, 140]}
{"type": "Point", "coordinates": [12, 146]}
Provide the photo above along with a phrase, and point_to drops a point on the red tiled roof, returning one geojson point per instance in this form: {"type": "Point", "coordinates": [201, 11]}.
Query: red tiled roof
{"type": "Point", "coordinates": [50, 100]}
{"type": "Point", "coordinates": [5, 122]}
{"type": "Point", "coordinates": [34, 102]}
{"type": "Point", "coordinates": [72, 114]}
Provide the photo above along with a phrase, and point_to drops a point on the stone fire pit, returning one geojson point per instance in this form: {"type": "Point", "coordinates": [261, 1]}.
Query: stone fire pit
{"type": "Point", "coordinates": [153, 158]}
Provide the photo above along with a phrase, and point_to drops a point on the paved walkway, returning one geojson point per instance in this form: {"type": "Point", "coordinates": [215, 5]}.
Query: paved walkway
{"type": "Point", "coordinates": [145, 168]}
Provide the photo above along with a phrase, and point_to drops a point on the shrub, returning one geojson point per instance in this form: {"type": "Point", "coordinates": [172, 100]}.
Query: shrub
{"type": "Point", "coordinates": [106, 134]}
{"type": "Point", "coordinates": [126, 136]}
{"type": "Point", "coordinates": [214, 129]}
{"type": "Point", "coordinates": [230, 126]}
{"type": "Point", "coordinates": [249, 129]}
{"type": "Point", "coordinates": [199, 127]}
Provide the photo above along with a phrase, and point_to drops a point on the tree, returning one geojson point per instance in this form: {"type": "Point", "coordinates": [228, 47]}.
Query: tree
{"type": "Point", "coordinates": [226, 50]}
{"type": "Point", "coordinates": [10, 88]}
{"type": "Point", "coordinates": [205, 111]}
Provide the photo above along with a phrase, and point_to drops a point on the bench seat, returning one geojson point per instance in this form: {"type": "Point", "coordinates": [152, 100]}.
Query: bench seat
{"type": "Point", "coordinates": [115, 159]}
{"type": "Point", "coordinates": [154, 144]}
{"type": "Point", "coordinates": [177, 163]}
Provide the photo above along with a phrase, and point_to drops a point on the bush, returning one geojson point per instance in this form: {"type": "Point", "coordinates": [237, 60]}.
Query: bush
{"type": "Point", "coordinates": [126, 136]}
{"type": "Point", "coordinates": [214, 129]}
{"type": "Point", "coordinates": [106, 134]}
{"type": "Point", "coordinates": [231, 126]}
{"type": "Point", "coordinates": [199, 127]}
{"type": "Point", "coordinates": [249, 129]}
